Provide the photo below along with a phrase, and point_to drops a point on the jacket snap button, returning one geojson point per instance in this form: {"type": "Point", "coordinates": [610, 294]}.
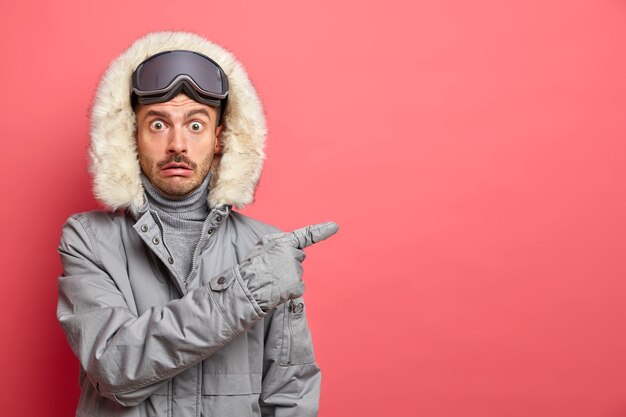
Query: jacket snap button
{"type": "Point", "coordinates": [170, 260]}
{"type": "Point", "coordinates": [221, 280]}
{"type": "Point", "coordinates": [144, 228]}
{"type": "Point", "coordinates": [218, 218]}
{"type": "Point", "coordinates": [156, 240]}
{"type": "Point", "coordinates": [210, 231]}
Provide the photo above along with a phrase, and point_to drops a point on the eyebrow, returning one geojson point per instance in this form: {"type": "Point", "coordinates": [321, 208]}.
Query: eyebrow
{"type": "Point", "coordinates": [187, 114]}
{"type": "Point", "coordinates": [197, 111]}
{"type": "Point", "coordinates": [156, 113]}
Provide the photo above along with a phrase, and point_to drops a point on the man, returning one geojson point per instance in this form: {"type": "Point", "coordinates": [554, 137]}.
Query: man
{"type": "Point", "coordinates": [175, 304]}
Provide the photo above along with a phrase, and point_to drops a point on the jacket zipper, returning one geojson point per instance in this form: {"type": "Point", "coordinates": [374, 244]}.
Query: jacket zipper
{"type": "Point", "coordinates": [196, 251]}
{"type": "Point", "coordinates": [162, 234]}
{"type": "Point", "coordinates": [163, 239]}
{"type": "Point", "coordinates": [290, 308]}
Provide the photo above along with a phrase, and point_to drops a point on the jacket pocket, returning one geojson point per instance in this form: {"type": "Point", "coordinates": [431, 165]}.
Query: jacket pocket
{"type": "Point", "coordinates": [231, 384]}
{"type": "Point", "coordinates": [230, 395]}
{"type": "Point", "coordinates": [297, 346]}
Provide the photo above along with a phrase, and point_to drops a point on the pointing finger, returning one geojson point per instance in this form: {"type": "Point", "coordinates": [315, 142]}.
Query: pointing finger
{"type": "Point", "coordinates": [306, 236]}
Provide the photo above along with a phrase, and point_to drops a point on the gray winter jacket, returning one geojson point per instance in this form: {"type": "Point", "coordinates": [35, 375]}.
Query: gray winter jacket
{"type": "Point", "coordinates": [150, 344]}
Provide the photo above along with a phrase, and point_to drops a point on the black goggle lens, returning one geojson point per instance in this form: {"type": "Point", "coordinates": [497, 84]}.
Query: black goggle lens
{"type": "Point", "coordinates": [158, 73]}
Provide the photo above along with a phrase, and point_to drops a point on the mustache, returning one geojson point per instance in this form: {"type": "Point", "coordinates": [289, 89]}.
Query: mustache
{"type": "Point", "coordinates": [178, 159]}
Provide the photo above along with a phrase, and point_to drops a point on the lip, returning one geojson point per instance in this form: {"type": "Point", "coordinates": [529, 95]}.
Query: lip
{"type": "Point", "coordinates": [176, 170]}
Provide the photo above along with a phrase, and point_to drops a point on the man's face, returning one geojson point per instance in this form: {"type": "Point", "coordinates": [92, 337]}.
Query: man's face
{"type": "Point", "coordinates": [176, 141]}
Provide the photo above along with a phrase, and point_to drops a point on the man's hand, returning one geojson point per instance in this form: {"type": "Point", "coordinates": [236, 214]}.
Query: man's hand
{"type": "Point", "coordinates": [273, 269]}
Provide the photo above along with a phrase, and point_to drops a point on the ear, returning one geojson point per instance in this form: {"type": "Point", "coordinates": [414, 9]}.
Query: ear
{"type": "Point", "coordinates": [219, 145]}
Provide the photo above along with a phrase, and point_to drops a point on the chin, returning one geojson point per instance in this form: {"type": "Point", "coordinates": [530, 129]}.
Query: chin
{"type": "Point", "coordinates": [177, 188]}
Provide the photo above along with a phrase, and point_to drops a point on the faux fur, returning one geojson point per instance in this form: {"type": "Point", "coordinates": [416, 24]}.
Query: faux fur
{"type": "Point", "coordinates": [113, 152]}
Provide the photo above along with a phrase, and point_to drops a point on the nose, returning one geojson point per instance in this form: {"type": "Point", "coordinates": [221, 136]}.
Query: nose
{"type": "Point", "coordinates": [177, 143]}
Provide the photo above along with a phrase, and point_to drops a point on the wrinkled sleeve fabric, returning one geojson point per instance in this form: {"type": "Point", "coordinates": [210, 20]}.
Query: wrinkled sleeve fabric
{"type": "Point", "coordinates": [291, 377]}
{"type": "Point", "coordinates": [127, 356]}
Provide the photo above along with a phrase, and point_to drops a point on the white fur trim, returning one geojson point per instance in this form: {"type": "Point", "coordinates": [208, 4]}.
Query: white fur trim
{"type": "Point", "coordinates": [113, 152]}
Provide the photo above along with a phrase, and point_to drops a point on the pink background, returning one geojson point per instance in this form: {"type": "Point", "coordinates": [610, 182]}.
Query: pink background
{"type": "Point", "coordinates": [473, 154]}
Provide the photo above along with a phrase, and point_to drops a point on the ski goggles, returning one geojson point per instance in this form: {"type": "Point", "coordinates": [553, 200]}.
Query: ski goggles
{"type": "Point", "coordinates": [163, 76]}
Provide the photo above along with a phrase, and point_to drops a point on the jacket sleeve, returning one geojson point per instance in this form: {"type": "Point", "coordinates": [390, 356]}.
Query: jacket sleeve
{"type": "Point", "coordinates": [291, 378]}
{"type": "Point", "coordinates": [126, 356]}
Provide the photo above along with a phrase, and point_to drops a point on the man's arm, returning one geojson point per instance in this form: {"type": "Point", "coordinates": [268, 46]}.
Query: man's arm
{"type": "Point", "coordinates": [291, 378]}
{"type": "Point", "coordinates": [127, 356]}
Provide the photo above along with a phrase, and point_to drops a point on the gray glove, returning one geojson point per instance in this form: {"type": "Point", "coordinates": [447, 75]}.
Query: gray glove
{"type": "Point", "coordinates": [273, 269]}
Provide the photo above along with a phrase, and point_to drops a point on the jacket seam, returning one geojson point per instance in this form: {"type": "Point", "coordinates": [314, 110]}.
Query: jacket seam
{"type": "Point", "coordinates": [92, 243]}
{"type": "Point", "coordinates": [314, 363]}
{"type": "Point", "coordinates": [233, 373]}
{"type": "Point", "coordinates": [145, 382]}
{"type": "Point", "coordinates": [198, 388]}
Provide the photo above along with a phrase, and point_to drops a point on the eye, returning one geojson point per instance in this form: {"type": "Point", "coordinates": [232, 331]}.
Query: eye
{"type": "Point", "coordinates": [196, 126]}
{"type": "Point", "coordinates": [157, 124]}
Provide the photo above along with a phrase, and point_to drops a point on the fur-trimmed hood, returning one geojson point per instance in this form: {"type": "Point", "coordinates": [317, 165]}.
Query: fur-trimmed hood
{"type": "Point", "coordinates": [113, 152]}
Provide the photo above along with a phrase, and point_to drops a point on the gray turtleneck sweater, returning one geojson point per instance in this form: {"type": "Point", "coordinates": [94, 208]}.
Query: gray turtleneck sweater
{"type": "Point", "coordinates": [182, 221]}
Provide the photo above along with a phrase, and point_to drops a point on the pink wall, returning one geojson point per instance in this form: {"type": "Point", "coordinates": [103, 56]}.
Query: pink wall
{"type": "Point", "coordinates": [473, 154]}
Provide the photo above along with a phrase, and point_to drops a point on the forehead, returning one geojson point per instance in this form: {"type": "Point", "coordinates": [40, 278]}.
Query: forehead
{"type": "Point", "coordinates": [176, 107]}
